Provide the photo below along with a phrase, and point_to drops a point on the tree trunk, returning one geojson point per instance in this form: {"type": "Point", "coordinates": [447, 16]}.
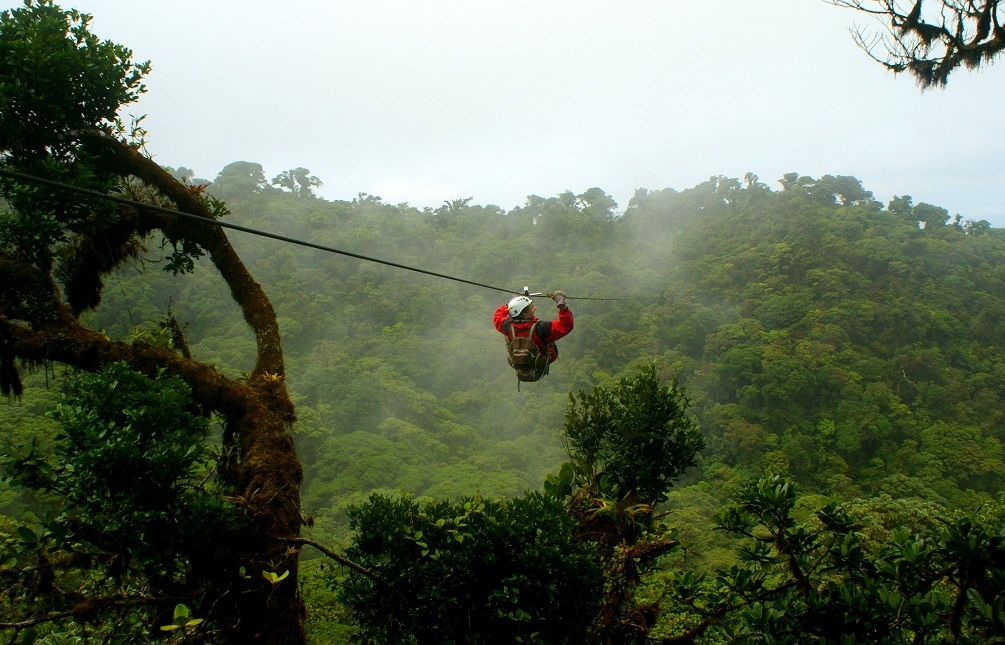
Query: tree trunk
{"type": "Point", "coordinates": [37, 326]}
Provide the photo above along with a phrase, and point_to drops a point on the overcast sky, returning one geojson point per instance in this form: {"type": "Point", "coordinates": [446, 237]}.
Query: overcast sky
{"type": "Point", "coordinates": [423, 101]}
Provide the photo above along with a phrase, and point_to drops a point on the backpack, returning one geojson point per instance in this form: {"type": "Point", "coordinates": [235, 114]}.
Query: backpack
{"type": "Point", "coordinates": [524, 355]}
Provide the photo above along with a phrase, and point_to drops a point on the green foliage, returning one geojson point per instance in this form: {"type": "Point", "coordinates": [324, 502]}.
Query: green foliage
{"type": "Point", "coordinates": [25, 428]}
{"type": "Point", "coordinates": [481, 570]}
{"type": "Point", "coordinates": [239, 178]}
{"type": "Point", "coordinates": [182, 620]}
{"type": "Point", "coordinates": [632, 439]}
{"type": "Point", "coordinates": [127, 461]}
{"type": "Point", "coordinates": [298, 181]}
{"type": "Point", "coordinates": [329, 622]}
{"type": "Point", "coordinates": [76, 80]}
{"type": "Point", "coordinates": [139, 499]}
{"type": "Point", "coordinates": [820, 337]}
{"type": "Point", "coordinates": [57, 78]}
{"type": "Point", "coordinates": [139, 508]}
{"type": "Point", "coordinates": [829, 580]}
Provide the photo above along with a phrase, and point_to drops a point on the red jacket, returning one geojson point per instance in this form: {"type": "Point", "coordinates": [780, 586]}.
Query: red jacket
{"type": "Point", "coordinates": [544, 334]}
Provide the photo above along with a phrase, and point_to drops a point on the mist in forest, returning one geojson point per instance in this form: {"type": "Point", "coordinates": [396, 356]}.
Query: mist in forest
{"type": "Point", "coordinates": [428, 102]}
{"type": "Point", "coordinates": [794, 319]}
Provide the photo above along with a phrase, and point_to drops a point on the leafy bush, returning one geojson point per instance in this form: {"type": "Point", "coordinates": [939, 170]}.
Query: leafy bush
{"type": "Point", "coordinates": [140, 527]}
{"type": "Point", "coordinates": [634, 438]}
{"type": "Point", "coordinates": [835, 579]}
{"type": "Point", "coordinates": [128, 454]}
{"type": "Point", "coordinates": [477, 571]}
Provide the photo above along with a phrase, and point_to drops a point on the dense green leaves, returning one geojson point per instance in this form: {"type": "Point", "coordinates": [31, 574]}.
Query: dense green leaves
{"type": "Point", "coordinates": [840, 345]}
{"type": "Point", "coordinates": [551, 568]}
{"type": "Point", "coordinates": [851, 574]}
{"type": "Point", "coordinates": [836, 344]}
{"type": "Point", "coordinates": [477, 571]}
{"type": "Point", "coordinates": [636, 436]}
{"type": "Point", "coordinates": [135, 521]}
{"type": "Point", "coordinates": [55, 75]}
{"type": "Point", "coordinates": [128, 464]}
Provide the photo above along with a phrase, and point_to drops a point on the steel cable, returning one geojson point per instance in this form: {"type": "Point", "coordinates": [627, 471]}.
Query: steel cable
{"type": "Point", "coordinates": [14, 174]}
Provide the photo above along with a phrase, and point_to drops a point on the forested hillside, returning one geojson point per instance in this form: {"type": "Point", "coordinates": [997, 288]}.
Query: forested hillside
{"type": "Point", "coordinates": [817, 333]}
{"type": "Point", "coordinates": [777, 420]}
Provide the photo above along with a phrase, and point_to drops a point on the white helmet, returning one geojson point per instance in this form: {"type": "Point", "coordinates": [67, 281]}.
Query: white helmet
{"type": "Point", "coordinates": [518, 304]}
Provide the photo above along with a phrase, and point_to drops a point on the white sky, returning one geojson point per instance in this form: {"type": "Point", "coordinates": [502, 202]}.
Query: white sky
{"type": "Point", "coordinates": [423, 101]}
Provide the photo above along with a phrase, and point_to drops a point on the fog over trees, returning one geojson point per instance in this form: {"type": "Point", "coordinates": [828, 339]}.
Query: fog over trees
{"type": "Point", "coordinates": [777, 420]}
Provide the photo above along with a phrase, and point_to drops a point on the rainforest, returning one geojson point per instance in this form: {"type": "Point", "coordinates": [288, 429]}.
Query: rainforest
{"type": "Point", "coordinates": [778, 418]}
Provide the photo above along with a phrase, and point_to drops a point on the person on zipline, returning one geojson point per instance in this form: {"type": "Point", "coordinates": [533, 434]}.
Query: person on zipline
{"type": "Point", "coordinates": [530, 342]}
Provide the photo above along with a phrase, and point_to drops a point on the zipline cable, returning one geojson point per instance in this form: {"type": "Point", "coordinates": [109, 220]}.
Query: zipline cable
{"type": "Point", "coordinates": [237, 227]}
{"type": "Point", "coordinates": [14, 174]}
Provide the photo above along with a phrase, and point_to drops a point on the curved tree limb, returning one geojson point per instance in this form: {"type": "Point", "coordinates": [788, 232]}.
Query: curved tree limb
{"type": "Point", "coordinates": [247, 293]}
{"type": "Point", "coordinates": [64, 340]}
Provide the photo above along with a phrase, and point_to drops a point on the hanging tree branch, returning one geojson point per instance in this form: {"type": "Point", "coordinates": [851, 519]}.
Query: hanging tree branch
{"type": "Point", "coordinates": [932, 41]}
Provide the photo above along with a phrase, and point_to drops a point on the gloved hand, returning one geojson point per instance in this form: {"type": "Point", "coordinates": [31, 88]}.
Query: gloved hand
{"type": "Point", "coordinates": [559, 298]}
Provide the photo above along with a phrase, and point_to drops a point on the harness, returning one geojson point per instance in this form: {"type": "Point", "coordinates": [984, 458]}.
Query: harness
{"type": "Point", "coordinates": [524, 355]}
